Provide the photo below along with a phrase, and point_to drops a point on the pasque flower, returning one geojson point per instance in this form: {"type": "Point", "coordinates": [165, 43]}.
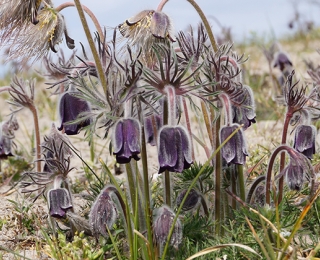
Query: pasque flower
{"type": "Point", "coordinates": [145, 29]}
{"type": "Point", "coordinates": [126, 140]}
{"type": "Point", "coordinates": [193, 199]}
{"type": "Point", "coordinates": [244, 107]}
{"type": "Point", "coordinates": [162, 225]}
{"type": "Point", "coordinates": [31, 41]}
{"type": "Point", "coordinates": [235, 150]}
{"type": "Point", "coordinates": [72, 108]}
{"type": "Point", "coordinates": [174, 149]}
{"type": "Point", "coordinates": [59, 202]}
{"type": "Point", "coordinates": [103, 213]}
{"type": "Point", "coordinates": [146, 24]}
{"type": "Point", "coordinates": [305, 139]}
{"type": "Point", "coordinates": [295, 174]}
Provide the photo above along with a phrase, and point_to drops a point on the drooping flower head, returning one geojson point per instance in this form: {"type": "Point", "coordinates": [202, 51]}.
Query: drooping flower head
{"type": "Point", "coordinates": [103, 213]}
{"type": "Point", "coordinates": [126, 140]}
{"type": "Point", "coordinates": [73, 108]}
{"type": "Point", "coordinates": [305, 140]}
{"type": "Point", "coordinates": [235, 150]}
{"type": "Point", "coordinates": [174, 149]}
{"type": "Point", "coordinates": [244, 108]}
{"type": "Point", "coordinates": [59, 202]}
{"type": "Point", "coordinates": [33, 41]}
{"type": "Point", "coordinates": [297, 170]}
{"type": "Point", "coordinates": [145, 29]}
{"type": "Point", "coordinates": [162, 225]}
{"type": "Point", "coordinates": [193, 199]}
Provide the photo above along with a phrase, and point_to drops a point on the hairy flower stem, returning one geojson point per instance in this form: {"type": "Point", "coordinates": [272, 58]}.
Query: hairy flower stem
{"type": "Point", "coordinates": [88, 11]}
{"type": "Point", "coordinates": [289, 115]}
{"type": "Point", "coordinates": [241, 182]}
{"type": "Point", "coordinates": [161, 5]}
{"type": "Point", "coordinates": [186, 114]}
{"type": "Point", "coordinates": [131, 184]}
{"type": "Point", "coordinates": [207, 121]}
{"type": "Point", "coordinates": [205, 23]}
{"type": "Point", "coordinates": [94, 51]}
{"type": "Point", "coordinates": [233, 189]}
{"type": "Point", "coordinates": [34, 112]}
{"type": "Point", "coordinates": [281, 148]}
{"type": "Point", "coordinates": [218, 175]}
{"type": "Point", "coordinates": [147, 207]}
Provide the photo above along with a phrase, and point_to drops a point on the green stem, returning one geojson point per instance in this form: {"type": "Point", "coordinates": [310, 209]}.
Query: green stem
{"type": "Point", "coordinates": [234, 189]}
{"type": "Point", "coordinates": [94, 51]}
{"type": "Point", "coordinates": [205, 23]}
{"type": "Point", "coordinates": [218, 175]}
{"type": "Point", "coordinates": [131, 184]}
{"type": "Point", "coordinates": [147, 208]}
{"type": "Point", "coordinates": [241, 182]}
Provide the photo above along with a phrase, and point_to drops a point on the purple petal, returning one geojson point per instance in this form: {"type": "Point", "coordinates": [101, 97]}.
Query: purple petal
{"type": "Point", "coordinates": [304, 141]}
{"type": "Point", "coordinates": [167, 150]}
{"type": "Point", "coordinates": [186, 147]}
{"type": "Point", "coordinates": [59, 202]}
{"type": "Point", "coordinates": [228, 151]}
{"type": "Point", "coordinates": [117, 140]}
{"type": "Point", "coordinates": [132, 134]}
{"type": "Point", "coordinates": [103, 213]}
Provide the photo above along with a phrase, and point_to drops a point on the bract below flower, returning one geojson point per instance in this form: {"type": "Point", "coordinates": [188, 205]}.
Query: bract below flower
{"type": "Point", "coordinates": [70, 109]}
{"type": "Point", "coordinates": [305, 139]}
{"type": "Point", "coordinates": [59, 202]}
{"type": "Point", "coordinates": [126, 140]}
{"type": "Point", "coordinates": [174, 149]}
{"type": "Point", "coordinates": [235, 150]}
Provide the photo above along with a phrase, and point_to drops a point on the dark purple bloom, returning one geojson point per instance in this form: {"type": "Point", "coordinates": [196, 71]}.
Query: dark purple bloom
{"type": "Point", "coordinates": [244, 108]}
{"type": "Point", "coordinates": [235, 150]}
{"type": "Point", "coordinates": [294, 173]}
{"type": "Point", "coordinates": [305, 139]}
{"type": "Point", "coordinates": [103, 213]}
{"type": "Point", "coordinates": [192, 200]}
{"type": "Point", "coordinates": [59, 202]}
{"type": "Point", "coordinates": [126, 140]}
{"type": "Point", "coordinates": [174, 149]}
{"type": "Point", "coordinates": [148, 128]}
{"type": "Point", "coordinates": [162, 225]}
{"type": "Point", "coordinates": [71, 108]}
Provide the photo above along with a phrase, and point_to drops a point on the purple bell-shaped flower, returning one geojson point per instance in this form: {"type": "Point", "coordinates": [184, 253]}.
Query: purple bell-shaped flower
{"type": "Point", "coordinates": [126, 140]}
{"type": "Point", "coordinates": [103, 213]}
{"type": "Point", "coordinates": [59, 202]}
{"type": "Point", "coordinates": [174, 149]}
{"type": "Point", "coordinates": [305, 139]}
{"type": "Point", "coordinates": [162, 225]}
{"type": "Point", "coordinates": [71, 108]}
{"type": "Point", "coordinates": [235, 150]}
